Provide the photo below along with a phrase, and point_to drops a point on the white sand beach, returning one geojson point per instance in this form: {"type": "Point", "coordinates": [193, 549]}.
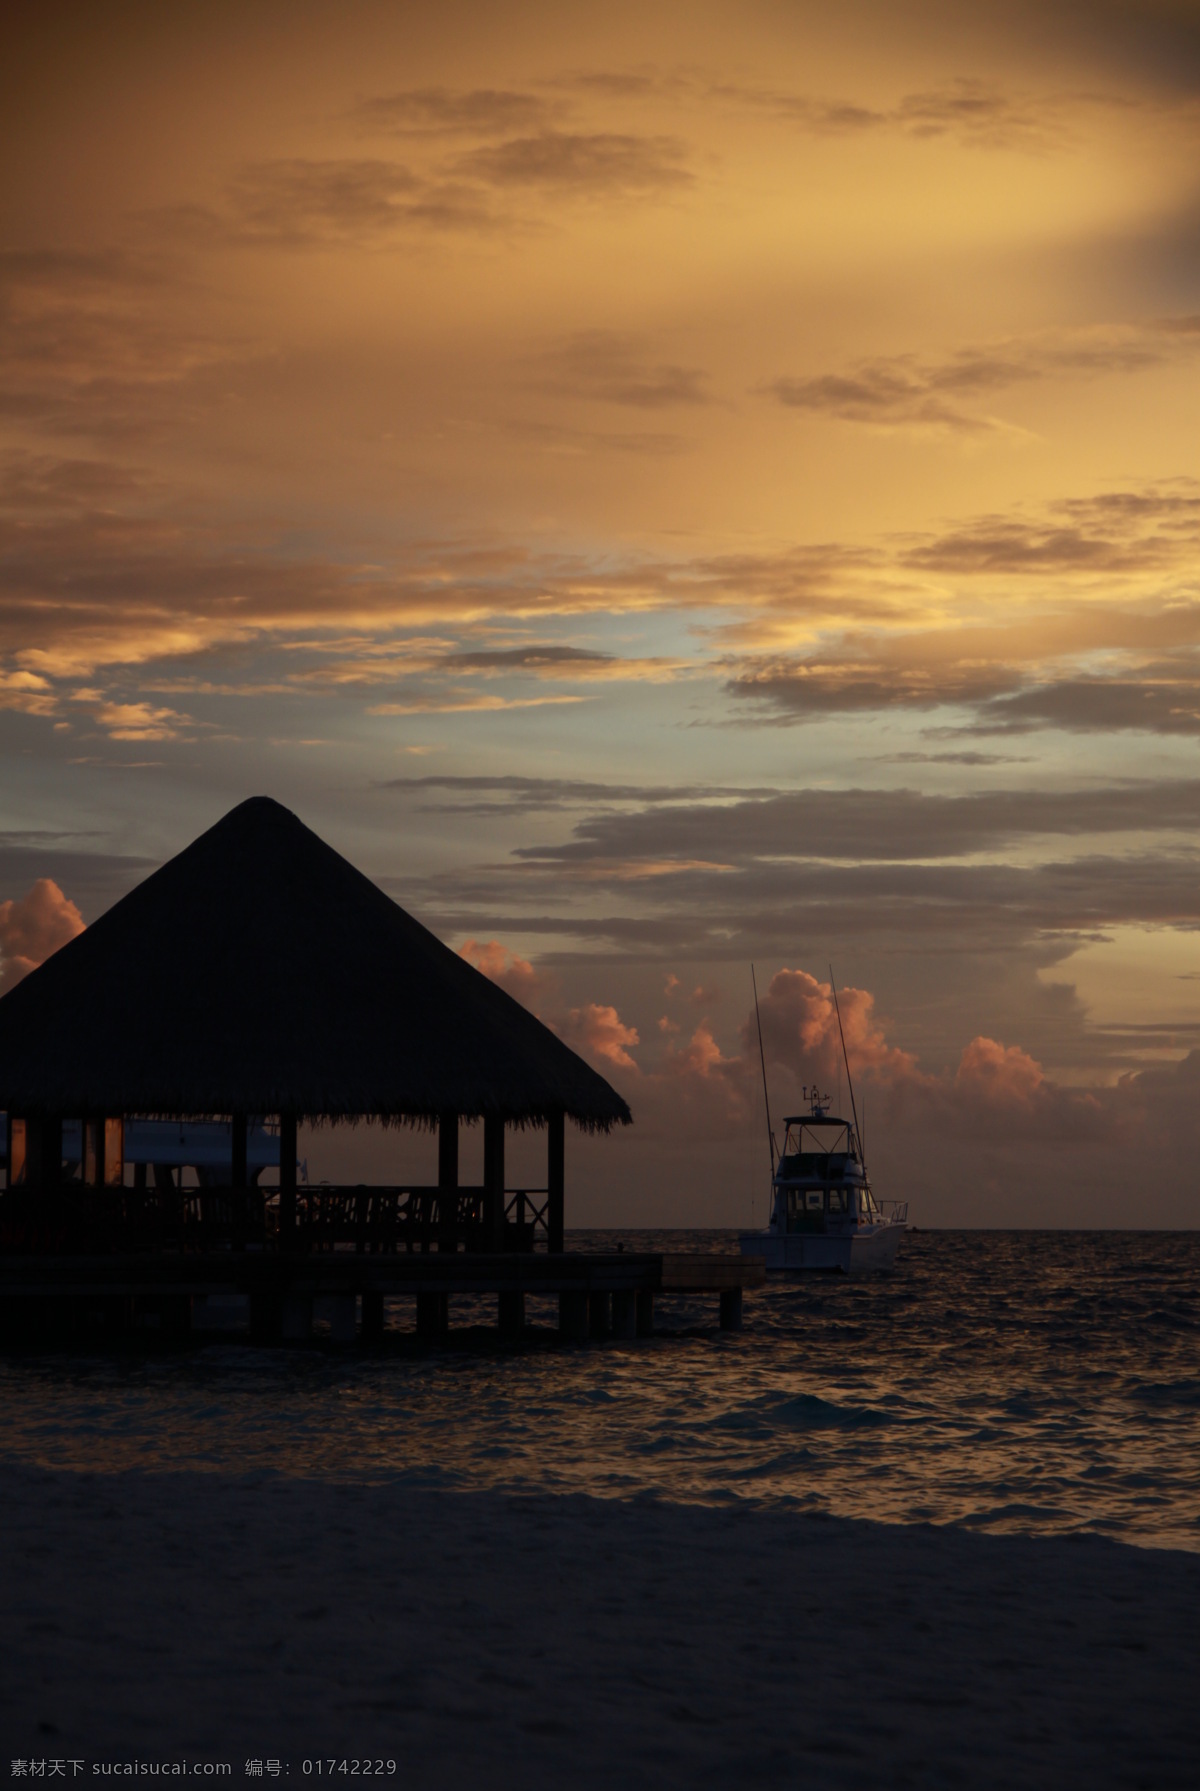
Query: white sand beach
{"type": "Point", "coordinates": [484, 1639]}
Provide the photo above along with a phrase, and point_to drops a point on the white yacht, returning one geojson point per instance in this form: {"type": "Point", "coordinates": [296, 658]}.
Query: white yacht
{"type": "Point", "coordinates": [823, 1213]}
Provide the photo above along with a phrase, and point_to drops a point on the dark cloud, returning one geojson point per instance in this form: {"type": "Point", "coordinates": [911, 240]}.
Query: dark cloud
{"type": "Point", "coordinates": [976, 113]}
{"type": "Point", "coordinates": [593, 163]}
{"type": "Point", "coordinates": [1157, 702]}
{"type": "Point", "coordinates": [1160, 697]}
{"type": "Point", "coordinates": [948, 758]}
{"type": "Point", "coordinates": [869, 825]}
{"type": "Point", "coordinates": [442, 111]}
{"type": "Point", "coordinates": [808, 689]}
{"type": "Point", "coordinates": [904, 389]}
{"type": "Point", "coordinates": [538, 794]}
{"type": "Point", "coordinates": [300, 200]}
{"type": "Point", "coordinates": [968, 915]}
{"type": "Point", "coordinates": [93, 880]}
{"type": "Point", "coordinates": [527, 659]}
{"type": "Point", "coordinates": [615, 369]}
{"type": "Point", "coordinates": [1152, 530]}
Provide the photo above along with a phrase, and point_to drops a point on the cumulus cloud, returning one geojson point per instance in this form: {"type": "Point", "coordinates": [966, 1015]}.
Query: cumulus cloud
{"type": "Point", "coordinates": [512, 973]}
{"type": "Point", "coordinates": [34, 927]}
{"type": "Point", "coordinates": [600, 1031]}
{"type": "Point", "coordinates": [594, 1028]}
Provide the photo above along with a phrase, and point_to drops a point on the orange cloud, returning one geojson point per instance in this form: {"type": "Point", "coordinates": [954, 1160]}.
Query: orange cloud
{"type": "Point", "coordinates": [30, 930]}
{"type": "Point", "coordinates": [800, 1031]}
{"type": "Point", "coordinates": [601, 1031]}
{"type": "Point", "coordinates": [998, 1074]}
{"type": "Point", "coordinates": [514, 974]}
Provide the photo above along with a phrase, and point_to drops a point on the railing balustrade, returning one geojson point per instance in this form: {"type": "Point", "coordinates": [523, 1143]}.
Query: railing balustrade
{"type": "Point", "coordinates": [73, 1219]}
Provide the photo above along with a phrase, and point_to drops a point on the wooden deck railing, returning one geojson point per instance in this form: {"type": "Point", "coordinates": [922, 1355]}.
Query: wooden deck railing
{"type": "Point", "coordinates": [77, 1220]}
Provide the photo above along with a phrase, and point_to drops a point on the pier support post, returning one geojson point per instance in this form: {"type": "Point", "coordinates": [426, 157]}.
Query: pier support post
{"type": "Point", "coordinates": [493, 1179]}
{"type": "Point", "coordinates": [266, 1315]}
{"type": "Point", "coordinates": [287, 1183]}
{"type": "Point", "coordinates": [556, 1128]}
{"type": "Point", "coordinates": [645, 1312]}
{"type": "Point", "coordinates": [372, 1317]}
{"type": "Point", "coordinates": [447, 1181]}
{"type": "Point", "coordinates": [512, 1314]}
{"type": "Point", "coordinates": [624, 1312]}
{"type": "Point", "coordinates": [433, 1314]}
{"type": "Point", "coordinates": [599, 1314]}
{"type": "Point", "coordinates": [297, 1317]}
{"type": "Point", "coordinates": [343, 1318]}
{"type": "Point", "coordinates": [573, 1317]}
{"type": "Point", "coordinates": [175, 1315]}
{"type": "Point", "coordinates": [731, 1308]}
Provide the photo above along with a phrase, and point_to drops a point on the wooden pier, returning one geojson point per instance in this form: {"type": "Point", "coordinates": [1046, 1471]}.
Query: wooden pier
{"type": "Point", "coordinates": [608, 1295]}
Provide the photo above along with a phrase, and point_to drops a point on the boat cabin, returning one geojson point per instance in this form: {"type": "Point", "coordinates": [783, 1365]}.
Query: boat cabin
{"type": "Point", "coordinates": [819, 1181]}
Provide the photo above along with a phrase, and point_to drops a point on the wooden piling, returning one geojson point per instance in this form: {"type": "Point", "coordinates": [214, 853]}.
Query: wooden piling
{"type": "Point", "coordinates": [372, 1317]}
{"type": "Point", "coordinates": [624, 1312]}
{"type": "Point", "coordinates": [645, 1312]}
{"type": "Point", "coordinates": [512, 1314]}
{"type": "Point", "coordinates": [297, 1317]}
{"type": "Point", "coordinates": [731, 1309]}
{"type": "Point", "coordinates": [343, 1318]}
{"type": "Point", "coordinates": [573, 1317]}
{"type": "Point", "coordinates": [599, 1314]}
{"type": "Point", "coordinates": [433, 1314]}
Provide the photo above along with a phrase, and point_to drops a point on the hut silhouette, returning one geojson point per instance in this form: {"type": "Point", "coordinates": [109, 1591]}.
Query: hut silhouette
{"type": "Point", "coordinates": [258, 973]}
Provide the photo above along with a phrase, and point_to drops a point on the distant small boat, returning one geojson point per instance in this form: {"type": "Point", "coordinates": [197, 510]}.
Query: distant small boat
{"type": "Point", "coordinates": [823, 1213]}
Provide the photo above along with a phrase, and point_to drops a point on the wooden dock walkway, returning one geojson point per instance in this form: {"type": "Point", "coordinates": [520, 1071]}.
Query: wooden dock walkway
{"type": "Point", "coordinates": [599, 1295]}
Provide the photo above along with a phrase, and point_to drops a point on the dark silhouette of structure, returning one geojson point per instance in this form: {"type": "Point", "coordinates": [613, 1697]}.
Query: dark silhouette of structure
{"type": "Point", "coordinates": [259, 974]}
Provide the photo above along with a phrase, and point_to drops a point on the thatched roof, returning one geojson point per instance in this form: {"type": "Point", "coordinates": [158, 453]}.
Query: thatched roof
{"type": "Point", "coordinates": [260, 972]}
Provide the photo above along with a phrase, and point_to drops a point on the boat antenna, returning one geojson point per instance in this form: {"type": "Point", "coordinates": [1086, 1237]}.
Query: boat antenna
{"type": "Point", "coordinates": [846, 1057]}
{"type": "Point", "coordinates": [763, 1061]}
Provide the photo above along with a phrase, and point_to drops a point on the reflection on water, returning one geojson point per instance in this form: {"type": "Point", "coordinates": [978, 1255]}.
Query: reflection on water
{"type": "Point", "coordinates": [1007, 1381]}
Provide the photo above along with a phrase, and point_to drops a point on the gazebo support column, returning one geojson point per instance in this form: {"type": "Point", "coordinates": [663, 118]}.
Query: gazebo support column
{"type": "Point", "coordinates": [493, 1179]}
{"type": "Point", "coordinates": [447, 1181]}
{"type": "Point", "coordinates": [556, 1152]}
{"type": "Point", "coordinates": [645, 1312]}
{"type": "Point", "coordinates": [95, 1137]}
{"type": "Point", "coordinates": [237, 1164]}
{"type": "Point", "coordinates": [43, 1151]}
{"type": "Point", "coordinates": [287, 1182]}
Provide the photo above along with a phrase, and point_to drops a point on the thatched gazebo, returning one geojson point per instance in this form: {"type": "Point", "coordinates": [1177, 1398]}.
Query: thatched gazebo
{"type": "Point", "coordinates": [258, 973]}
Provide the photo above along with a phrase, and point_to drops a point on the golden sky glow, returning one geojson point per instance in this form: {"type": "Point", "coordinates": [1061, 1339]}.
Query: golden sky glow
{"type": "Point", "coordinates": [656, 486]}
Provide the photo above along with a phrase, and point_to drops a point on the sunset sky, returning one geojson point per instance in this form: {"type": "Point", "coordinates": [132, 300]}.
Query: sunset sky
{"type": "Point", "coordinates": [659, 488]}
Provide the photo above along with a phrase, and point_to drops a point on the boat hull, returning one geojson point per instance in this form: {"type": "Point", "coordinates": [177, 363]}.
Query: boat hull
{"type": "Point", "coordinates": [866, 1250]}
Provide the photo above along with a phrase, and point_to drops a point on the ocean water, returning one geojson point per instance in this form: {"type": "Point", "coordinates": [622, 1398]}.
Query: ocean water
{"type": "Point", "coordinates": [1018, 1381]}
